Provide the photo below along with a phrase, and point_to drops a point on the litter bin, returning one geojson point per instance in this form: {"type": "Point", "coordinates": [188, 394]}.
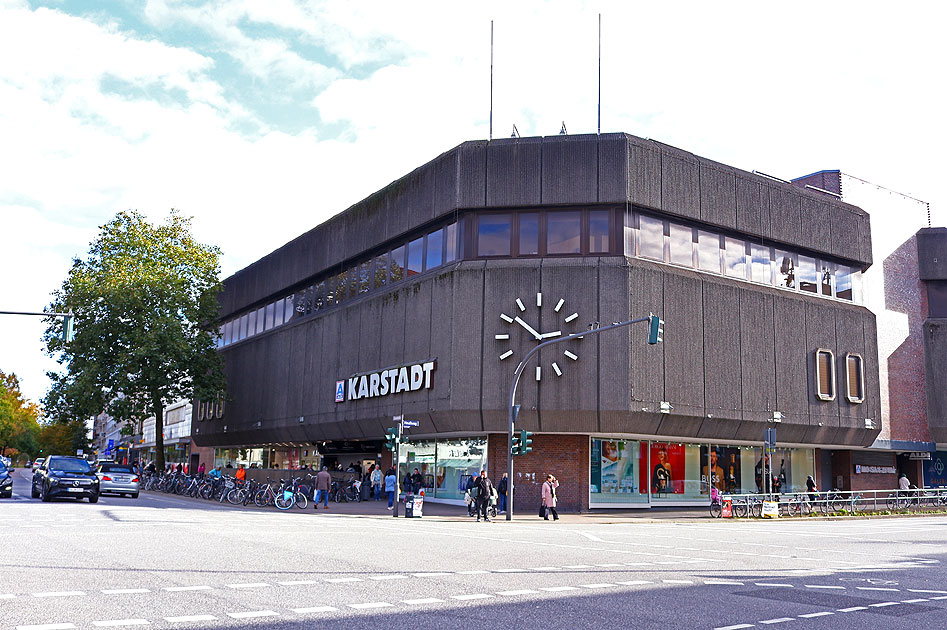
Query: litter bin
{"type": "Point", "coordinates": [414, 506]}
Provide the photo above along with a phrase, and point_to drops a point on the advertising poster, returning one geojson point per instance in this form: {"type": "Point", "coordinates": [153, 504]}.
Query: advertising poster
{"type": "Point", "coordinates": [617, 466]}
{"type": "Point", "coordinates": [934, 470]}
{"type": "Point", "coordinates": [722, 470]}
{"type": "Point", "coordinates": [667, 468]}
{"type": "Point", "coordinates": [596, 462]}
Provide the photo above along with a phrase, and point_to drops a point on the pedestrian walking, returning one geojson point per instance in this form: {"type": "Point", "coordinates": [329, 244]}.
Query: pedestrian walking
{"type": "Point", "coordinates": [201, 470]}
{"type": "Point", "coordinates": [391, 480]}
{"type": "Point", "coordinates": [323, 486]}
{"type": "Point", "coordinates": [812, 488]}
{"type": "Point", "coordinates": [502, 488]}
{"type": "Point", "coordinates": [549, 497]}
{"type": "Point", "coordinates": [376, 481]}
{"type": "Point", "coordinates": [484, 492]}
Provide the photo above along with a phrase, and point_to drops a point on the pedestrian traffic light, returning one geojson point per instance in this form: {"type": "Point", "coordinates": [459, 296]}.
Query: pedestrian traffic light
{"type": "Point", "coordinates": [655, 329]}
{"type": "Point", "coordinates": [67, 333]}
{"type": "Point", "coordinates": [516, 445]}
{"type": "Point", "coordinates": [526, 439]}
{"type": "Point", "coordinates": [392, 437]}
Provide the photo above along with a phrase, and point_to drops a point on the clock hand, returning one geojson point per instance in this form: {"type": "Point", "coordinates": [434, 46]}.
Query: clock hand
{"type": "Point", "coordinates": [555, 333]}
{"type": "Point", "coordinates": [527, 327]}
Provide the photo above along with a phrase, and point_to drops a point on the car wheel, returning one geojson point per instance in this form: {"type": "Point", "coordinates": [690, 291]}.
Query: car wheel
{"type": "Point", "coordinates": [33, 492]}
{"type": "Point", "coordinates": [134, 495]}
{"type": "Point", "coordinates": [44, 494]}
{"type": "Point", "coordinates": [94, 498]}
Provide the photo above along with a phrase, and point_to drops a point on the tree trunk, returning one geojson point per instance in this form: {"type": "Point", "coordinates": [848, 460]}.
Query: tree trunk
{"type": "Point", "coordinates": [159, 434]}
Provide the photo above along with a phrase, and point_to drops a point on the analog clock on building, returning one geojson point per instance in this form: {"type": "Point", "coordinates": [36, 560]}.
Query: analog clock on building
{"type": "Point", "coordinates": [525, 321]}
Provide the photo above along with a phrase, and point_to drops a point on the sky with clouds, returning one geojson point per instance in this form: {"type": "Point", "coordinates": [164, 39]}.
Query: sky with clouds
{"type": "Point", "coordinates": [262, 119]}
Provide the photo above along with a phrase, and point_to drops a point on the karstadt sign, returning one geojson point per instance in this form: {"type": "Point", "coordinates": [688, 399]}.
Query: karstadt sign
{"type": "Point", "coordinates": [386, 382]}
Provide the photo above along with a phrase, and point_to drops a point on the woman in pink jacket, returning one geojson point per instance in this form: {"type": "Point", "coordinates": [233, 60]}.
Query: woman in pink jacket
{"type": "Point", "coordinates": [549, 497]}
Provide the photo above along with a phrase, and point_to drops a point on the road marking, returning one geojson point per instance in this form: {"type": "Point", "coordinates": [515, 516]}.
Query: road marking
{"type": "Point", "coordinates": [48, 626]}
{"type": "Point", "coordinates": [7, 595]}
{"type": "Point", "coordinates": [824, 586]}
{"type": "Point", "coordinates": [190, 618]}
{"type": "Point", "coordinates": [739, 626]}
{"type": "Point", "coordinates": [916, 590]}
{"type": "Point", "coordinates": [59, 594]}
{"type": "Point", "coordinates": [433, 574]}
{"type": "Point", "coordinates": [524, 591]}
{"type": "Point", "coordinates": [577, 566]}
{"type": "Point", "coordinates": [913, 601]}
{"type": "Point", "coordinates": [426, 600]}
{"type": "Point", "coordinates": [940, 597]}
{"type": "Point", "coordinates": [343, 580]}
{"type": "Point", "coordinates": [298, 582]}
{"type": "Point", "coordinates": [558, 589]}
{"type": "Point", "coordinates": [124, 591]}
{"type": "Point", "coordinates": [600, 585]}
{"type": "Point", "coordinates": [852, 609]}
{"type": "Point", "coordinates": [779, 620]}
{"type": "Point", "coordinates": [365, 605]}
{"type": "Point", "coordinates": [177, 589]}
{"type": "Point", "coordinates": [876, 588]}
{"type": "Point", "coordinates": [677, 581]}
{"type": "Point", "coordinates": [391, 577]}
{"type": "Point", "coordinates": [510, 570]}
{"type": "Point", "coordinates": [818, 614]}
{"type": "Point", "coordinates": [473, 596]}
{"type": "Point", "coordinates": [883, 604]}
{"type": "Point", "coordinates": [314, 609]}
{"type": "Point", "coordinates": [476, 572]}
{"type": "Point", "coordinates": [777, 584]}
{"type": "Point", "coordinates": [249, 585]}
{"type": "Point", "coordinates": [638, 564]}
{"type": "Point", "coordinates": [612, 564]}
{"type": "Point", "coordinates": [253, 613]}
{"type": "Point", "coordinates": [635, 582]}
{"type": "Point", "coordinates": [118, 623]}
{"type": "Point", "coordinates": [548, 568]}
{"type": "Point", "coordinates": [723, 582]}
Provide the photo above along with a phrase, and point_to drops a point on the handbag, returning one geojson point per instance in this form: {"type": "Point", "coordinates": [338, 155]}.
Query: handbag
{"type": "Point", "coordinates": [542, 511]}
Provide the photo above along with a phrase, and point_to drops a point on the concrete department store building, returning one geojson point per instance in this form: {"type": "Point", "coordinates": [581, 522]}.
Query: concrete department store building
{"type": "Point", "coordinates": [420, 300]}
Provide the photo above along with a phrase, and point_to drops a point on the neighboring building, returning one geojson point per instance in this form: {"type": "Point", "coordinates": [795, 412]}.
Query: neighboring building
{"type": "Point", "coordinates": [179, 448]}
{"type": "Point", "coordinates": [420, 300]}
{"type": "Point", "coordinates": [907, 291]}
{"type": "Point", "coordinates": [107, 439]}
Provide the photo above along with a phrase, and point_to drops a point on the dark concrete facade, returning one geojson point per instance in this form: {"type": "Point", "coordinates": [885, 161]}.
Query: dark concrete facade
{"type": "Point", "coordinates": [932, 262]}
{"type": "Point", "coordinates": [733, 354]}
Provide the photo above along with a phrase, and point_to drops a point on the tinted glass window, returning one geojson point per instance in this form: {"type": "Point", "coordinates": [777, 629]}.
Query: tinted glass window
{"type": "Point", "coordinates": [435, 250]}
{"type": "Point", "coordinates": [785, 269]}
{"type": "Point", "coordinates": [278, 313]}
{"type": "Point", "coordinates": [341, 287]}
{"type": "Point", "coordinates": [3, 467]}
{"type": "Point", "coordinates": [598, 231]}
{"type": "Point", "coordinates": [228, 333]}
{"type": "Point", "coordinates": [854, 376]}
{"type": "Point", "coordinates": [493, 235]}
{"type": "Point", "coordinates": [397, 264]}
{"type": "Point", "coordinates": [808, 275]}
{"type": "Point", "coordinates": [450, 236]}
{"type": "Point", "coordinates": [251, 323]}
{"type": "Point", "coordinates": [825, 374]}
{"type": "Point", "coordinates": [682, 245]}
{"type": "Point", "coordinates": [708, 251]}
{"type": "Point", "coordinates": [319, 296]}
{"type": "Point", "coordinates": [843, 282]}
{"type": "Point", "coordinates": [564, 233]}
{"type": "Point", "coordinates": [415, 256]}
{"type": "Point", "coordinates": [826, 273]}
{"type": "Point", "coordinates": [68, 464]}
{"type": "Point", "coordinates": [761, 270]}
{"type": "Point", "coordinates": [529, 233]}
{"type": "Point", "coordinates": [365, 276]}
{"type": "Point", "coordinates": [381, 271]}
{"type": "Point", "coordinates": [650, 237]}
{"type": "Point", "coordinates": [115, 468]}
{"type": "Point", "coordinates": [735, 258]}
{"type": "Point", "coordinates": [353, 281]}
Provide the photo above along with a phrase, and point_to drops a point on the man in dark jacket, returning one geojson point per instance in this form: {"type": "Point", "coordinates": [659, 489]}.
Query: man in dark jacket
{"type": "Point", "coordinates": [417, 481]}
{"type": "Point", "coordinates": [484, 494]}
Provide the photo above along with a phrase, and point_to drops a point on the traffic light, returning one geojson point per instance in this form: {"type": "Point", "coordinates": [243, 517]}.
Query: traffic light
{"type": "Point", "coordinates": [67, 333]}
{"type": "Point", "coordinates": [516, 445]}
{"type": "Point", "coordinates": [392, 437]}
{"type": "Point", "coordinates": [526, 439]}
{"type": "Point", "coordinates": [655, 329]}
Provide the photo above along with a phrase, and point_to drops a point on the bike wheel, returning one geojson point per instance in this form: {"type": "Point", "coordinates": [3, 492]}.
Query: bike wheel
{"type": "Point", "coordinates": [794, 507]}
{"type": "Point", "coordinates": [233, 497]}
{"type": "Point", "coordinates": [284, 502]}
{"type": "Point", "coordinates": [261, 499]}
{"type": "Point", "coordinates": [301, 501]}
{"type": "Point", "coordinates": [716, 510]}
{"type": "Point", "coordinates": [740, 510]}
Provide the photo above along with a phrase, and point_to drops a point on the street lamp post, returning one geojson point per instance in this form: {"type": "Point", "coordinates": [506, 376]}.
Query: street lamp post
{"type": "Point", "coordinates": [655, 324]}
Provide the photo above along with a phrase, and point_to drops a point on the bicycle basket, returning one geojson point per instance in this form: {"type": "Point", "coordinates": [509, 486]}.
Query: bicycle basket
{"type": "Point", "coordinates": [287, 495]}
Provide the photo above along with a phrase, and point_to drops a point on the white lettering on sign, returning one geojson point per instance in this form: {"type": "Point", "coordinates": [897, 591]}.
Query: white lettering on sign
{"type": "Point", "coordinates": [405, 378]}
{"type": "Point", "coordinates": [887, 470]}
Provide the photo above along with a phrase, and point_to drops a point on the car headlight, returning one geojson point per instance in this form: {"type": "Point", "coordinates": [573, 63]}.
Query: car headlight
{"type": "Point", "coordinates": [53, 481]}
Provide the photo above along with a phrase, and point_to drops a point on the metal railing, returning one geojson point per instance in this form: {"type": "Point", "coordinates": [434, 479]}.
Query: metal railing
{"type": "Point", "coordinates": [840, 502]}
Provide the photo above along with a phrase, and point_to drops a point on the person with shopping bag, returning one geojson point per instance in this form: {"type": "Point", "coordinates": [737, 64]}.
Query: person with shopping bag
{"type": "Point", "coordinates": [549, 498]}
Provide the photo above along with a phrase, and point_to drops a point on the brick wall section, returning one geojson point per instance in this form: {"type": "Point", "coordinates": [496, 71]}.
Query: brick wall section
{"type": "Point", "coordinates": [565, 456]}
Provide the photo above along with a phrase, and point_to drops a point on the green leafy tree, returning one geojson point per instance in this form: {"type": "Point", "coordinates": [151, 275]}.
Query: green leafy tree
{"type": "Point", "coordinates": [145, 300]}
{"type": "Point", "coordinates": [19, 419]}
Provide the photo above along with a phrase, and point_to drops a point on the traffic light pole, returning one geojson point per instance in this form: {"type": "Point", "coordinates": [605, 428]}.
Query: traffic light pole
{"type": "Point", "coordinates": [66, 320]}
{"type": "Point", "coordinates": [516, 379]}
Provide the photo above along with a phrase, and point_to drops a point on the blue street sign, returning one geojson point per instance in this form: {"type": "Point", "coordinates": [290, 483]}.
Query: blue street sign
{"type": "Point", "coordinates": [409, 423]}
{"type": "Point", "coordinates": [111, 444]}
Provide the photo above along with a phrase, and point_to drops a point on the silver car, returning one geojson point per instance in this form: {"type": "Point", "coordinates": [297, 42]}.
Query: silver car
{"type": "Point", "coordinates": [117, 479]}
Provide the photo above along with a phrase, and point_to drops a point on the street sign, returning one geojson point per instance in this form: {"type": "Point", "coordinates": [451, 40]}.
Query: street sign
{"type": "Point", "coordinates": [919, 456]}
{"type": "Point", "coordinates": [410, 423]}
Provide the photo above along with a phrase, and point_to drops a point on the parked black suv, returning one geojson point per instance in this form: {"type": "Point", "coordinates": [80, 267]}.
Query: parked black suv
{"type": "Point", "coordinates": [61, 476]}
{"type": "Point", "coordinates": [6, 481]}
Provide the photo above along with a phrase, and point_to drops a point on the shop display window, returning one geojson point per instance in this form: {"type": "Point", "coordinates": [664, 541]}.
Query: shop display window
{"type": "Point", "coordinates": [493, 235]}
{"type": "Point", "coordinates": [615, 473]}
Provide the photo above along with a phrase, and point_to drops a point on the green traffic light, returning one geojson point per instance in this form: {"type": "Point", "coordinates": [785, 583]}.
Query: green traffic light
{"type": "Point", "coordinates": [655, 329]}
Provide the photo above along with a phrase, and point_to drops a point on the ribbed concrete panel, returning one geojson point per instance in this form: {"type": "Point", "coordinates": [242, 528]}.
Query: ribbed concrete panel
{"type": "Point", "coordinates": [467, 326]}
{"type": "Point", "coordinates": [613, 168]}
{"type": "Point", "coordinates": [784, 214]}
{"type": "Point", "coordinates": [749, 204]}
{"type": "Point", "coordinates": [722, 350]}
{"type": "Point", "coordinates": [514, 172]}
{"type": "Point", "coordinates": [298, 385]}
{"type": "Point", "coordinates": [315, 398]}
{"type": "Point", "coordinates": [644, 173]}
{"type": "Point", "coordinates": [445, 182]}
{"type": "Point", "coordinates": [364, 319]}
{"type": "Point", "coordinates": [718, 194]}
{"type": "Point", "coordinates": [372, 218]}
{"type": "Point", "coordinates": [411, 200]}
{"type": "Point", "coordinates": [759, 355]}
{"type": "Point", "coordinates": [932, 253]}
{"type": "Point", "coordinates": [935, 362]}
{"type": "Point", "coordinates": [570, 170]}
{"type": "Point", "coordinates": [332, 369]}
{"type": "Point", "coordinates": [680, 183]}
{"type": "Point", "coordinates": [820, 333]}
{"type": "Point", "coordinates": [504, 282]}
{"type": "Point", "coordinates": [472, 175]}
{"type": "Point", "coordinates": [336, 248]}
{"type": "Point", "coordinates": [684, 358]}
{"type": "Point", "coordinates": [850, 330]}
{"type": "Point", "coordinates": [442, 335]}
{"type": "Point", "coordinates": [388, 332]}
{"type": "Point", "coordinates": [275, 378]}
{"type": "Point", "coordinates": [417, 341]}
{"type": "Point", "coordinates": [817, 219]}
{"type": "Point", "coordinates": [614, 348]}
{"type": "Point", "coordinates": [792, 358]}
{"type": "Point", "coordinates": [872, 404]}
{"type": "Point", "coordinates": [576, 281]}
{"type": "Point", "coordinates": [843, 227]}
{"type": "Point", "coordinates": [646, 284]}
{"type": "Point", "coordinates": [864, 240]}
{"type": "Point", "coordinates": [349, 364]}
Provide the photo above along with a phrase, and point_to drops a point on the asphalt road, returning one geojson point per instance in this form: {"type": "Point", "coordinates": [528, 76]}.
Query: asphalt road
{"type": "Point", "coordinates": [167, 562]}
